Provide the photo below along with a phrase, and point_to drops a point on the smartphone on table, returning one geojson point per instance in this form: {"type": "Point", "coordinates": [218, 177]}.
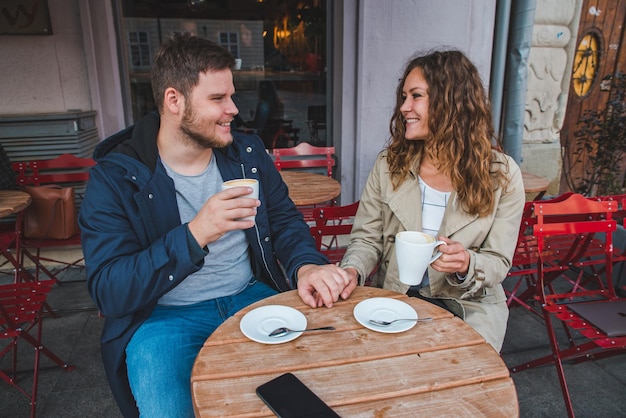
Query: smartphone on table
{"type": "Point", "coordinates": [288, 397]}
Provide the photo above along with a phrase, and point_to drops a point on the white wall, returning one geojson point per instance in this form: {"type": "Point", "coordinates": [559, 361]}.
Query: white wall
{"type": "Point", "coordinates": [44, 74]}
{"type": "Point", "coordinates": [75, 68]}
{"type": "Point", "coordinates": [386, 34]}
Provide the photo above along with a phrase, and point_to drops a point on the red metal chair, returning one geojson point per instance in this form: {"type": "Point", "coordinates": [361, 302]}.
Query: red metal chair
{"type": "Point", "coordinates": [584, 252]}
{"type": "Point", "coordinates": [65, 170]}
{"type": "Point", "coordinates": [307, 157]}
{"type": "Point", "coordinates": [557, 291]}
{"type": "Point", "coordinates": [332, 228]}
{"type": "Point", "coordinates": [21, 306]}
{"type": "Point", "coordinates": [524, 264]}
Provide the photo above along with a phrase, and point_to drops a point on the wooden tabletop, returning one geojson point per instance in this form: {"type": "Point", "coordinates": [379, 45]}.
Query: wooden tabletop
{"type": "Point", "coordinates": [534, 183]}
{"type": "Point", "coordinates": [306, 188]}
{"type": "Point", "coordinates": [437, 368]}
{"type": "Point", "coordinates": [13, 201]}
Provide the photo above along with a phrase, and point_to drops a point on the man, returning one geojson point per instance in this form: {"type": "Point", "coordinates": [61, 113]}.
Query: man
{"type": "Point", "coordinates": [168, 259]}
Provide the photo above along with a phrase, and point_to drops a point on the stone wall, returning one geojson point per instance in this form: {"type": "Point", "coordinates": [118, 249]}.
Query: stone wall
{"type": "Point", "coordinates": [549, 74]}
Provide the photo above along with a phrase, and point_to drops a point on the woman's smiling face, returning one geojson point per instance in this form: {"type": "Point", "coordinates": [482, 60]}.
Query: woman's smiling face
{"type": "Point", "coordinates": [415, 105]}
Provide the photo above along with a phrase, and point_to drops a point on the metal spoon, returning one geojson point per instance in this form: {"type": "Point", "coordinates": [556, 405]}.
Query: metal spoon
{"type": "Point", "coordinates": [279, 332]}
{"type": "Point", "coordinates": [385, 323]}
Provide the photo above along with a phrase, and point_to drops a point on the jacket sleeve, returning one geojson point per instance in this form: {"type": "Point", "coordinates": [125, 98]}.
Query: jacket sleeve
{"type": "Point", "coordinates": [134, 254]}
{"type": "Point", "coordinates": [366, 239]}
{"type": "Point", "coordinates": [292, 241]}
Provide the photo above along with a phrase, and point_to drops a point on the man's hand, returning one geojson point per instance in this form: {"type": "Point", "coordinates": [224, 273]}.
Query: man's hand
{"type": "Point", "coordinates": [220, 215]}
{"type": "Point", "coordinates": [323, 285]}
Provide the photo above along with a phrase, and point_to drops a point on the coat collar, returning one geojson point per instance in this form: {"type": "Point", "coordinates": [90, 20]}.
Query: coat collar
{"type": "Point", "coordinates": [404, 202]}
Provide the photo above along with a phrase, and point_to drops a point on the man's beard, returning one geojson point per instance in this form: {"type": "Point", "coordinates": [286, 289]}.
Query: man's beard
{"type": "Point", "coordinates": [187, 127]}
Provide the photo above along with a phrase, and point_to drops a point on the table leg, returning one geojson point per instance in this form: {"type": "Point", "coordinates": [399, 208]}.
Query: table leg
{"type": "Point", "coordinates": [11, 249]}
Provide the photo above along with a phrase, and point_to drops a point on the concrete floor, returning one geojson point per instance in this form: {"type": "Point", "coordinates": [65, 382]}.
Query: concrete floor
{"type": "Point", "coordinates": [598, 388]}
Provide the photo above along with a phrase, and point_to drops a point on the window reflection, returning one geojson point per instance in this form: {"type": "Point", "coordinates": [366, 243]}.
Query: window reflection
{"type": "Point", "coordinates": [280, 46]}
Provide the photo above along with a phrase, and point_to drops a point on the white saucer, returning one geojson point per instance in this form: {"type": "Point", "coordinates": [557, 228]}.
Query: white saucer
{"type": "Point", "coordinates": [385, 309]}
{"type": "Point", "coordinates": [259, 322]}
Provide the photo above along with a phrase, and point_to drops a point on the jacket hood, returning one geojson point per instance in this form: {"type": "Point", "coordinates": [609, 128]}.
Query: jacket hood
{"type": "Point", "coordinates": [137, 141]}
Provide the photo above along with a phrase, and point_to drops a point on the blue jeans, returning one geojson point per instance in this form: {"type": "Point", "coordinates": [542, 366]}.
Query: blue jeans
{"type": "Point", "coordinates": [160, 355]}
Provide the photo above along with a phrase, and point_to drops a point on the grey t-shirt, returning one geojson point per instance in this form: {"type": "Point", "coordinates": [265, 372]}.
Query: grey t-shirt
{"type": "Point", "coordinates": [227, 268]}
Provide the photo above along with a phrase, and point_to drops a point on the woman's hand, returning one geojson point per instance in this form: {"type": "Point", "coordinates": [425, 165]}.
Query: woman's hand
{"type": "Point", "coordinates": [454, 258]}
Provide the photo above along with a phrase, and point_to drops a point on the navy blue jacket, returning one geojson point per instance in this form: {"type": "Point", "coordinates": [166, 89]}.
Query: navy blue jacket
{"type": "Point", "coordinates": [136, 248]}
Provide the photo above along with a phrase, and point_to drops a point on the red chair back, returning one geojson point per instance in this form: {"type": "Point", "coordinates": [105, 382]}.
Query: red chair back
{"type": "Point", "coordinates": [305, 155]}
{"type": "Point", "coordinates": [64, 170]}
{"type": "Point", "coordinates": [554, 220]}
{"type": "Point", "coordinates": [332, 228]}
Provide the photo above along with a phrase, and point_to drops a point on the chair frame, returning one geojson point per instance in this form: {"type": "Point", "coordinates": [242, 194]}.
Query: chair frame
{"type": "Point", "coordinates": [552, 221]}
{"type": "Point", "coordinates": [330, 223]}
{"type": "Point", "coordinates": [21, 307]}
{"type": "Point", "coordinates": [583, 252]}
{"type": "Point", "coordinates": [67, 170]}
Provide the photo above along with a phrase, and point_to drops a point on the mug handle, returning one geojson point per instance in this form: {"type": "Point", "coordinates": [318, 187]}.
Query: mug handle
{"type": "Point", "coordinates": [438, 253]}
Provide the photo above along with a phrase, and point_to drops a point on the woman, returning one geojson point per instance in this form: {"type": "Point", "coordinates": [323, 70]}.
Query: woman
{"type": "Point", "coordinates": [441, 174]}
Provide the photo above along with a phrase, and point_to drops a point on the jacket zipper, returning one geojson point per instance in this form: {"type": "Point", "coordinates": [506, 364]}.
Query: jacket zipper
{"type": "Point", "coordinates": [258, 239]}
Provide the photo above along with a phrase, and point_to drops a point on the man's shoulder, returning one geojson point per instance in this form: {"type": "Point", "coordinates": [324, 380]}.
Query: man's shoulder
{"type": "Point", "coordinates": [242, 139]}
{"type": "Point", "coordinates": [245, 147]}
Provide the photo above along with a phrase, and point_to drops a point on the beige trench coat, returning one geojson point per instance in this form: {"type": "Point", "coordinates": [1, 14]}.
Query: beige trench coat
{"type": "Point", "coordinates": [491, 241]}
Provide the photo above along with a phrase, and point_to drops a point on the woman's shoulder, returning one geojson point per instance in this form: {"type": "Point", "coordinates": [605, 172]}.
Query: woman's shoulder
{"type": "Point", "coordinates": [381, 157]}
{"type": "Point", "coordinates": [511, 172]}
{"type": "Point", "coordinates": [506, 162]}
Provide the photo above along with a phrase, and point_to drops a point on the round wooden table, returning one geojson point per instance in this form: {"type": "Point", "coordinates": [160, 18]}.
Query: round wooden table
{"type": "Point", "coordinates": [306, 188]}
{"type": "Point", "coordinates": [13, 201]}
{"type": "Point", "coordinates": [535, 184]}
{"type": "Point", "coordinates": [437, 368]}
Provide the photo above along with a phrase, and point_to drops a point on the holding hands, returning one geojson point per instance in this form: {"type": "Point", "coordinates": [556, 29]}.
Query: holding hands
{"type": "Point", "coordinates": [323, 285]}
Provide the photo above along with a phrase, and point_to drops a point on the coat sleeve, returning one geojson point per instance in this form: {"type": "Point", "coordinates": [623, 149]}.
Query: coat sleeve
{"type": "Point", "coordinates": [133, 252]}
{"type": "Point", "coordinates": [366, 239]}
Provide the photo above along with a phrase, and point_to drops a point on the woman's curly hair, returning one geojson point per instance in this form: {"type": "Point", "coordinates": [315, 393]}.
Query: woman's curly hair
{"type": "Point", "coordinates": [461, 137]}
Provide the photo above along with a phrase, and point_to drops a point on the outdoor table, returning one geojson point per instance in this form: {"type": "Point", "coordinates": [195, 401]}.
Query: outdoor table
{"type": "Point", "coordinates": [535, 184]}
{"type": "Point", "coordinates": [307, 188]}
{"type": "Point", "coordinates": [13, 202]}
{"type": "Point", "coordinates": [437, 368]}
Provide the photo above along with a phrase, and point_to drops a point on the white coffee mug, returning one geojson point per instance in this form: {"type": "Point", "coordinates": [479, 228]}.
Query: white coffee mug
{"type": "Point", "coordinates": [414, 253]}
{"type": "Point", "coordinates": [238, 63]}
{"type": "Point", "coordinates": [253, 183]}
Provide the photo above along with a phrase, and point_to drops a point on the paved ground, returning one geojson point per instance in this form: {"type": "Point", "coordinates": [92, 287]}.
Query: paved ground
{"type": "Point", "coordinates": [598, 388]}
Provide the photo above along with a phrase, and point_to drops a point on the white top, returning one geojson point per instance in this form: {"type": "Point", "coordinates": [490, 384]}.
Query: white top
{"type": "Point", "coordinates": [433, 207]}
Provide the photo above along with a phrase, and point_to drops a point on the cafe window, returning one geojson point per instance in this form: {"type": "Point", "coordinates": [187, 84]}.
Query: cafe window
{"type": "Point", "coordinates": [230, 41]}
{"type": "Point", "coordinates": [281, 48]}
{"type": "Point", "coordinates": [139, 48]}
